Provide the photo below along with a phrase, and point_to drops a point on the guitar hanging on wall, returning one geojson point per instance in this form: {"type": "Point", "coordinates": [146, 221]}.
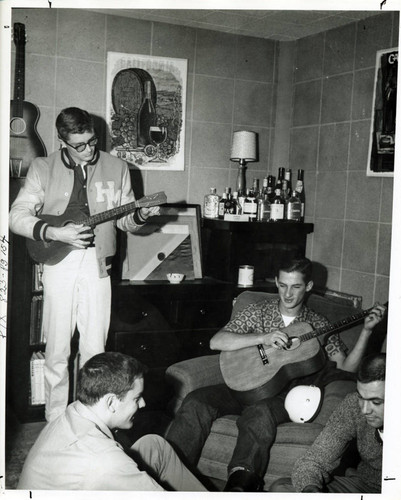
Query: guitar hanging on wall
{"type": "Point", "coordinates": [25, 142]}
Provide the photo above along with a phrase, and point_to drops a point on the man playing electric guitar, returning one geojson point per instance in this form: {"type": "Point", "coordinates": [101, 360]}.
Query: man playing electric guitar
{"type": "Point", "coordinates": [260, 324]}
{"type": "Point", "coordinates": [77, 290]}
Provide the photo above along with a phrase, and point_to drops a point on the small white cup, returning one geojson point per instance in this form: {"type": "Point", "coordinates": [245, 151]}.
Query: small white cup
{"type": "Point", "coordinates": [175, 277]}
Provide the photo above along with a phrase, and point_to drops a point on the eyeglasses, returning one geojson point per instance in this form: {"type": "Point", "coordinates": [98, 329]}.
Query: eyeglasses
{"type": "Point", "coordinates": [81, 147]}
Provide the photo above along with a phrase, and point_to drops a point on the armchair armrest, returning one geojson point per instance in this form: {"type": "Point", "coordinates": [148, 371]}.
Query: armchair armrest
{"type": "Point", "coordinates": [190, 374]}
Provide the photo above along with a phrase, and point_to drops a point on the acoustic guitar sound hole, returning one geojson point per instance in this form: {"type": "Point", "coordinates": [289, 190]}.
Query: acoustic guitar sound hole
{"type": "Point", "coordinates": [17, 126]}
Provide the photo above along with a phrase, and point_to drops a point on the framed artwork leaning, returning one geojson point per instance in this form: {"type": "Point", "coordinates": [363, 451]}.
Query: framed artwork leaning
{"type": "Point", "coordinates": [146, 102]}
{"type": "Point", "coordinates": [169, 243]}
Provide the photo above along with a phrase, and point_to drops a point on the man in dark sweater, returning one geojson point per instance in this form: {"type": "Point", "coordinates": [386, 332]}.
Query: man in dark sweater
{"type": "Point", "coordinates": [360, 417]}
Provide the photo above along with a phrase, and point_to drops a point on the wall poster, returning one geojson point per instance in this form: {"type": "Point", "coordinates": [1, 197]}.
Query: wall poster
{"type": "Point", "coordinates": [146, 101]}
{"type": "Point", "coordinates": [382, 131]}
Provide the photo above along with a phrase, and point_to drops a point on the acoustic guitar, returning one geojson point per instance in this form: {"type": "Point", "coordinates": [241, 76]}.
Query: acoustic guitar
{"type": "Point", "coordinates": [54, 252]}
{"type": "Point", "coordinates": [261, 371]}
{"type": "Point", "coordinates": [25, 142]}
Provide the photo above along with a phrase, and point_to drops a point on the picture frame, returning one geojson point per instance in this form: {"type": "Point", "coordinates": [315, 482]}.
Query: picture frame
{"type": "Point", "coordinates": [382, 131]}
{"type": "Point", "coordinates": [146, 107]}
{"type": "Point", "coordinates": [168, 243]}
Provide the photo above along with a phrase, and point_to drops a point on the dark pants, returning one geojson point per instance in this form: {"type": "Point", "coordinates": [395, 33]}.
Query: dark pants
{"type": "Point", "coordinates": [256, 424]}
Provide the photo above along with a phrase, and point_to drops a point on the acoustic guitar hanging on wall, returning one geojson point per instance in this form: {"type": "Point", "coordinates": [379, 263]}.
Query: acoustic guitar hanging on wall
{"type": "Point", "coordinates": [25, 142]}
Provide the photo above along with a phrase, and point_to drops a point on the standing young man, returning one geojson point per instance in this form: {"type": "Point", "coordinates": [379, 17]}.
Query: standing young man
{"type": "Point", "coordinates": [259, 324]}
{"type": "Point", "coordinates": [76, 290]}
{"type": "Point", "coordinates": [77, 451]}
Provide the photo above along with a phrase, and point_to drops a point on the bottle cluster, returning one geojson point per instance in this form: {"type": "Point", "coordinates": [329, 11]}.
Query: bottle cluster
{"type": "Point", "coordinates": [276, 200]}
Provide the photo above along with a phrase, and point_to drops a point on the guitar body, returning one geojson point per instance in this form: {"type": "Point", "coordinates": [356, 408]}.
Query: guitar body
{"type": "Point", "coordinates": [54, 252]}
{"type": "Point", "coordinates": [25, 143]}
{"type": "Point", "coordinates": [245, 373]}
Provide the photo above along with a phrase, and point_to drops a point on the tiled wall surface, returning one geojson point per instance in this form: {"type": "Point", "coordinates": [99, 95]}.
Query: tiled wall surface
{"type": "Point", "coordinates": [332, 108]}
{"type": "Point", "coordinates": [232, 86]}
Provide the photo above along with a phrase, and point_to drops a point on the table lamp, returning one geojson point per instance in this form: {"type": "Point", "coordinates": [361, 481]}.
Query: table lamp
{"type": "Point", "coordinates": [243, 150]}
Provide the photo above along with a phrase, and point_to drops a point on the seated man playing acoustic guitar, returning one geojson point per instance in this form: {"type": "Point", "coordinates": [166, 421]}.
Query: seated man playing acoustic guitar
{"type": "Point", "coordinates": [262, 324]}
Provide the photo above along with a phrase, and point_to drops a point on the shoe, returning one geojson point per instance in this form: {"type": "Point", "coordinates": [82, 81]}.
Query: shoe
{"type": "Point", "coordinates": [243, 480]}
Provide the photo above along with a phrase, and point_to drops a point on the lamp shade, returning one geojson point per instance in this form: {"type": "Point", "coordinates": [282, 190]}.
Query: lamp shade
{"type": "Point", "coordinates": [243, 146]}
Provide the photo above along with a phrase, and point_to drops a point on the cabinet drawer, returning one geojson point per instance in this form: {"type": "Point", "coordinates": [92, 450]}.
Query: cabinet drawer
{"type": "Point", "coordinates": [195, 343]}
{"type": "Point", "coordinates": [154, 349]}
{"type": "Point", "coordinates": [202, 314]}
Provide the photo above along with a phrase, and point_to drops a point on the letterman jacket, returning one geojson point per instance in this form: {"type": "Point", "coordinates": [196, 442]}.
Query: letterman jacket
{"type": "Point", "coordinates": [48, 187]}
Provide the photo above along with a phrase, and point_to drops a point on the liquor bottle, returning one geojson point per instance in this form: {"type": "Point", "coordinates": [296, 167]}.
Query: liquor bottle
{"type": "Point", "coordinates": [240, 202]}
{"type": "Point", "coordinates": [255, 187]}
{"type": "Point", "coordinates": [277, 205]}
{"type": "Point", "coordinates": [234, 203]}
{"type": "Point", "coordinates": [250, 205]}
{"type": "Point", "coordinates": [222, 203]}
{"type": "Point", "coordinates": [211, 205]}
{"type": "Point", "coordinates": [294, 207]}
{"type": "Point", "coordinates": [300, 189]}
{"type": "Point", "coordinates": [270, 188]}
{"type": "Point", "coordinates": [264, 186]}
{"type": "Point", "coordinates": [146, 117]}
{"type": "Point", "coordinates": [287, 177]}
{"type": "Point", "coordinates": [264, 208]}
{"type": "Point", "coordinates": [229, 205]}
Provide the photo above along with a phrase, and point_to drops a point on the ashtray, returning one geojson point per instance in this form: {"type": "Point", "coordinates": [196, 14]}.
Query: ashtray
{"type": "Point", "coordinates": [175, 277]}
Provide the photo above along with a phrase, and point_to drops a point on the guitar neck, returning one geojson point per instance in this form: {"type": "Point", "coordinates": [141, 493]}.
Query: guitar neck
{"type": "Point", "coordinates": [147, 201]}
{"type": "Point", "coordinates": [19, 78]}
{"type": "Point", "coordinates": [93, 220]}
{"type": "Point", "coordinates": [334, 326]}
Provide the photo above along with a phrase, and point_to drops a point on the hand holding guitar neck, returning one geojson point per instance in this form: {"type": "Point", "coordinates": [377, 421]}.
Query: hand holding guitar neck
{"type": "Point", "coordinates": [375, 316]}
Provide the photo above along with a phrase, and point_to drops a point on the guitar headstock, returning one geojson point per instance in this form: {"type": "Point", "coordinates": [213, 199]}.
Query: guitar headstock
{"type": "Point", "coordinates": [19, 34]}
{"type": "Point", "coordinates": [153, 200]}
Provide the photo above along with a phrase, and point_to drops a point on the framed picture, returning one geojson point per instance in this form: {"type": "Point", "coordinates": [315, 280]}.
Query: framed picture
{"type": "Point", "coordinates": [146, 102]}
{"type": "Point", "coordinates": [169, 243]}
{"type": "Point", "coordinates": [382, 130]}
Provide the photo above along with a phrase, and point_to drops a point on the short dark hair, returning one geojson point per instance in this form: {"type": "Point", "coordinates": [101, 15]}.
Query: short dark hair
{"type": "Point", "coordinates": [372, 368]}
{"type": "Point", "coordinates": [73, 121]}
{"type": "Point", "coordinates": [108, 372]}
{"type": "Point", "coordinates": [296, 264]}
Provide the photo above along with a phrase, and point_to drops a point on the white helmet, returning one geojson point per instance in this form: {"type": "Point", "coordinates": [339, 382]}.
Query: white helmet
{"type": "Point", "coordinates": [303, 403]}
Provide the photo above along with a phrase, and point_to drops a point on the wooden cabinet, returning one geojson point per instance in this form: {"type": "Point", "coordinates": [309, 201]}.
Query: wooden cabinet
{"type": "Point", "coordinates": [228, 245]}
{"type": "Point", "coordinates": [161, 323]}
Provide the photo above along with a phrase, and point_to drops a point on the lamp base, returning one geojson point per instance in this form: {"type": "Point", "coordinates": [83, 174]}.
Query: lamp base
{"type": "Point", "coordinates": [241, 179]}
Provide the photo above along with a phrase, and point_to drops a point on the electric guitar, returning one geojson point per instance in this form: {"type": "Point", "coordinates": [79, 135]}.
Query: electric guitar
{"type": "Point", "coordinates": [262, 371]}
{"type": "Point", "coordinates": [53, 252]}
{"type": "Point", "coordinates": [25, 143]}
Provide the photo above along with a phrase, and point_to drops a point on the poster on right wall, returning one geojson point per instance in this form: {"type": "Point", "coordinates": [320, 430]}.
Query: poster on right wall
{"type": "Point", "coordinates": [382, 131]}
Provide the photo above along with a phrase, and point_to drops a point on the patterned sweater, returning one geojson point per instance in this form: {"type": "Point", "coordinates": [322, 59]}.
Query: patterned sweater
{"type": "Point", "coordinates": [345, 423]}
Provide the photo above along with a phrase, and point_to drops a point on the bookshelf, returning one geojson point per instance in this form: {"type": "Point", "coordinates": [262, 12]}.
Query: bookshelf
{"type": "Point", "coordinates": [24, 342]}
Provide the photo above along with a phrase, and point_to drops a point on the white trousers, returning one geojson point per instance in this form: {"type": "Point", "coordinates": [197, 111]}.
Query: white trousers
{"type": "Point", "coordinates": [73, 296]}
{"type": "Point", "coordinates": [163, 464]}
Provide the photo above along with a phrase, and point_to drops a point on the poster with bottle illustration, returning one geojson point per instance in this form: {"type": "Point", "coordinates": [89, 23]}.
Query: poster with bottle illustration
{"type": "Point", "coordinates": [146, 102]}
